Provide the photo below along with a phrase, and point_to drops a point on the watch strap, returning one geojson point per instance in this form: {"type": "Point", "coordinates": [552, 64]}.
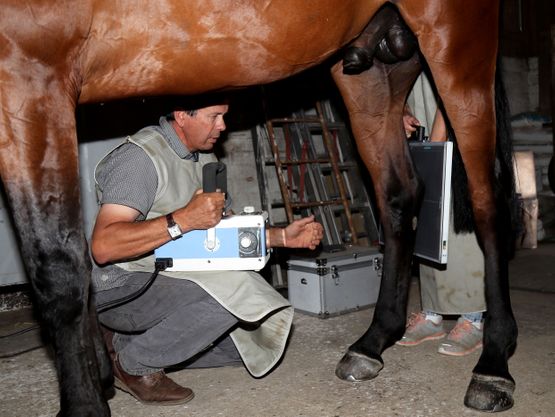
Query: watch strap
{"type": "Point", "coordinates": [173, 228]}
{"type": "Point", "coordinates": [170, 220]}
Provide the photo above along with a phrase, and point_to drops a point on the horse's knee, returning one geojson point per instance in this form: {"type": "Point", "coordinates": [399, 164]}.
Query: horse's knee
{"type": "Point", "coordinates": [402, 202]}
{"type": "Point", "coordinates": [401, 213]}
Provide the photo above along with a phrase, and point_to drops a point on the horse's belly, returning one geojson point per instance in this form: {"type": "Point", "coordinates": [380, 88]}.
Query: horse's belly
{"type": "Point", "coordinates": [206, 49]}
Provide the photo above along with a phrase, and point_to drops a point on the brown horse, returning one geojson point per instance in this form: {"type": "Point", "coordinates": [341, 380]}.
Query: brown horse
{"type": "Point", "coordinates": [56, 54]}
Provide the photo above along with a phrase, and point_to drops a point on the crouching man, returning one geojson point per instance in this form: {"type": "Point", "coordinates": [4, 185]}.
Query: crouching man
{"type": "Point", "coordinates": [149, 188]}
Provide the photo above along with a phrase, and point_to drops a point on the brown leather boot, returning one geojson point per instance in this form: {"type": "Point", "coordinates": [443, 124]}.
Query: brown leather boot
{"type": "Point", "coordinates": [155, 389]}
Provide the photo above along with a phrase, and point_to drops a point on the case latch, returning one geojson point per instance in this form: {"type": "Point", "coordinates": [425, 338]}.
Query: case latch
{"type": "Point", "coordinates": [334, 274]}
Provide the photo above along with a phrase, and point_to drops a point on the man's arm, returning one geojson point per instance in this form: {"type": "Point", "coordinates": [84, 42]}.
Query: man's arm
{"type": "Point", "coordinates": [117, 236]}
{"type": "Point", "coordinates": [303, 233]}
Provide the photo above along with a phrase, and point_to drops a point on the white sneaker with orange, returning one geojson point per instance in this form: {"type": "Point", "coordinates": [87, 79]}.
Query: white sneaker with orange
{"type": "Point", "coordinates": [463, 339]}
{"type": "Point", "coordinates": [420, 329]}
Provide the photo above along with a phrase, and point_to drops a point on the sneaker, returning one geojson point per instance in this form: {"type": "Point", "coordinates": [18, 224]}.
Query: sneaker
{"type": "Point", "coordinates": [465, 338]}
{"type": "Point", "coordinates": [419, 329]}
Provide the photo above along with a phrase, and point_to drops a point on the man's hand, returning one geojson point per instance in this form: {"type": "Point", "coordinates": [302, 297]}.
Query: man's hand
{"type": "Point", "coordinates": [204, 211]}
{"type": "Point", "coordinates": [303, 233]}
{"type": "Point", "coordinates": [410, 123]}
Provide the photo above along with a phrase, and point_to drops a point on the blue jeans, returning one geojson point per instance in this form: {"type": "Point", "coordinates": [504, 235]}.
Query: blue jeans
{"type": "Point", "coordinates": [174, 322]}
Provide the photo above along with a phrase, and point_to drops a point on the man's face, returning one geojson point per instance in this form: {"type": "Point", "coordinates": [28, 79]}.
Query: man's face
{"type": "Point", "coordinates": [201, 131]}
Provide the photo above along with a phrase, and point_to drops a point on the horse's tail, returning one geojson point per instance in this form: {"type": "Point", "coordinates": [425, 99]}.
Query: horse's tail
{"type": "Point", "coordinates": [463, 219]}
{"type": "Point", "coordinates": [504, 172]}
{"type": "Point", "coordinates": [508, 207]}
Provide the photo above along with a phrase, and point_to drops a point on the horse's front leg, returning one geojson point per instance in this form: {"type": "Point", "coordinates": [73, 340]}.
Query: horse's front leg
{"type": "Point", "coordinates": [375, 100]}
{"type": "Point", "coordinates": [39, 169]}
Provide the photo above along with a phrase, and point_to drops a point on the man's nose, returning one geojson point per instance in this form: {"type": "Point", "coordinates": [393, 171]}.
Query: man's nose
{"type": "Point", "coordinates": [220, 125]}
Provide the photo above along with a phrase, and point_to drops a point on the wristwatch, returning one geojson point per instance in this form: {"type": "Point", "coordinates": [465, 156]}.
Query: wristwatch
{"type": "Point", "coordinates": [173, 228]}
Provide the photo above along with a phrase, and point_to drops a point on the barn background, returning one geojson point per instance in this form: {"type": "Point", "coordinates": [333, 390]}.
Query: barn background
{"type": "Point", "coordinates": [415, 382]}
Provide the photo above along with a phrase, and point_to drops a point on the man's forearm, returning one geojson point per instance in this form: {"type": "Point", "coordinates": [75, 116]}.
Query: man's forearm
{"type": "Point", "coordinates": [124, 240]}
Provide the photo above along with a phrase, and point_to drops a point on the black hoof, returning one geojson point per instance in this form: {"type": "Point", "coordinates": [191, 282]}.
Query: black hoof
{"type": "Point", "coordinates": [356, 60]}
{"type": "Point", "coordinates": [356, 367]}
{"type": "Point", "coordinates": [489, 393]}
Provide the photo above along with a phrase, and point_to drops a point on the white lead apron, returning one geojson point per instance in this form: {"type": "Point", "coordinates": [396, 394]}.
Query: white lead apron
{"type": "Point", "coordinates": [265, 316]}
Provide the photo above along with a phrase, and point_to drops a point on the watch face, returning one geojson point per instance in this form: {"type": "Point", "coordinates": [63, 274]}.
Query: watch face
{"type": "Point", "coordinates": [174, 231]}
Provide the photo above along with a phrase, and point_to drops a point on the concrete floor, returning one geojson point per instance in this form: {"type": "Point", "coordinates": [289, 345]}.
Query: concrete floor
{"type": "Point", "coordinates": [415, 381]}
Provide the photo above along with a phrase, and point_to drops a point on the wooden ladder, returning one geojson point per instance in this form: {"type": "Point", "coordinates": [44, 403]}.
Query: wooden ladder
{"type": "Point", "coordinates": [301, 173]}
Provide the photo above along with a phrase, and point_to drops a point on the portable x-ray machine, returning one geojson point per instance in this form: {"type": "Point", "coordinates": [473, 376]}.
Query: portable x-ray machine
{"type": "Point", "coordinates": [237, 242]}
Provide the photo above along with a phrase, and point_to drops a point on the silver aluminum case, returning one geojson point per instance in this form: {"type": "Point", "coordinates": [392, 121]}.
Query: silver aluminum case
{"type": "Point", "coordinates": [335, 283]}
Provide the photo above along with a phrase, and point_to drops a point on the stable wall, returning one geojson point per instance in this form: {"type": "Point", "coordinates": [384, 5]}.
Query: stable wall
{"type": "Point", "coordinates": [236, 152]}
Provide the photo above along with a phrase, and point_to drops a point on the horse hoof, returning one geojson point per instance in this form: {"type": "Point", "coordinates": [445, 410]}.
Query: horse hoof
{"type": "Point", "coordinates": [356, 367]}
{"type": "Point", "coordinates": [489, 393]}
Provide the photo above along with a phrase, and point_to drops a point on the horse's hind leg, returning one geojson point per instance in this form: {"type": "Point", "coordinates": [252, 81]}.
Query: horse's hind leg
{"type": "Point", "coordinates": [375, 100]}
{"type": "Point", "coordinates": [39, 169]}
{"type": "Point", "coordinates": [491, 386]}
{"type": "Point", "coordinates": [464, 71]}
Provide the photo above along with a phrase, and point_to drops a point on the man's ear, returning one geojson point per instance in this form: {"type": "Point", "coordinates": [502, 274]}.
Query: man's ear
{"type": "Point", "coordinates": [180, 116]}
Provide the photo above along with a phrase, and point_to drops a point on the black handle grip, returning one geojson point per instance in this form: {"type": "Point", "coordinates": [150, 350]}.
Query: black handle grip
{"type": "Point", "coordinates": [214, 177]}
{"type": "Point", "coordinates": [419, 134]}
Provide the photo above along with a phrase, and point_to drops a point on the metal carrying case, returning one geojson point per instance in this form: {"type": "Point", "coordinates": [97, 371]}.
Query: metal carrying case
{"type": "Point", "coordinates": [335, 283]}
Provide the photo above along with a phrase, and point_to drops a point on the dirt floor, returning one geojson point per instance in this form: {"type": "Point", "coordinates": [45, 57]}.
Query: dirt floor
{"type": "Point", "coordinates": [415, 382]}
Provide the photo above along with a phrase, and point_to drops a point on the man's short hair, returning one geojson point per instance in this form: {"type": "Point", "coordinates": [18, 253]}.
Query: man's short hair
{"type": "Point", "coordinates": [191, 104]}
